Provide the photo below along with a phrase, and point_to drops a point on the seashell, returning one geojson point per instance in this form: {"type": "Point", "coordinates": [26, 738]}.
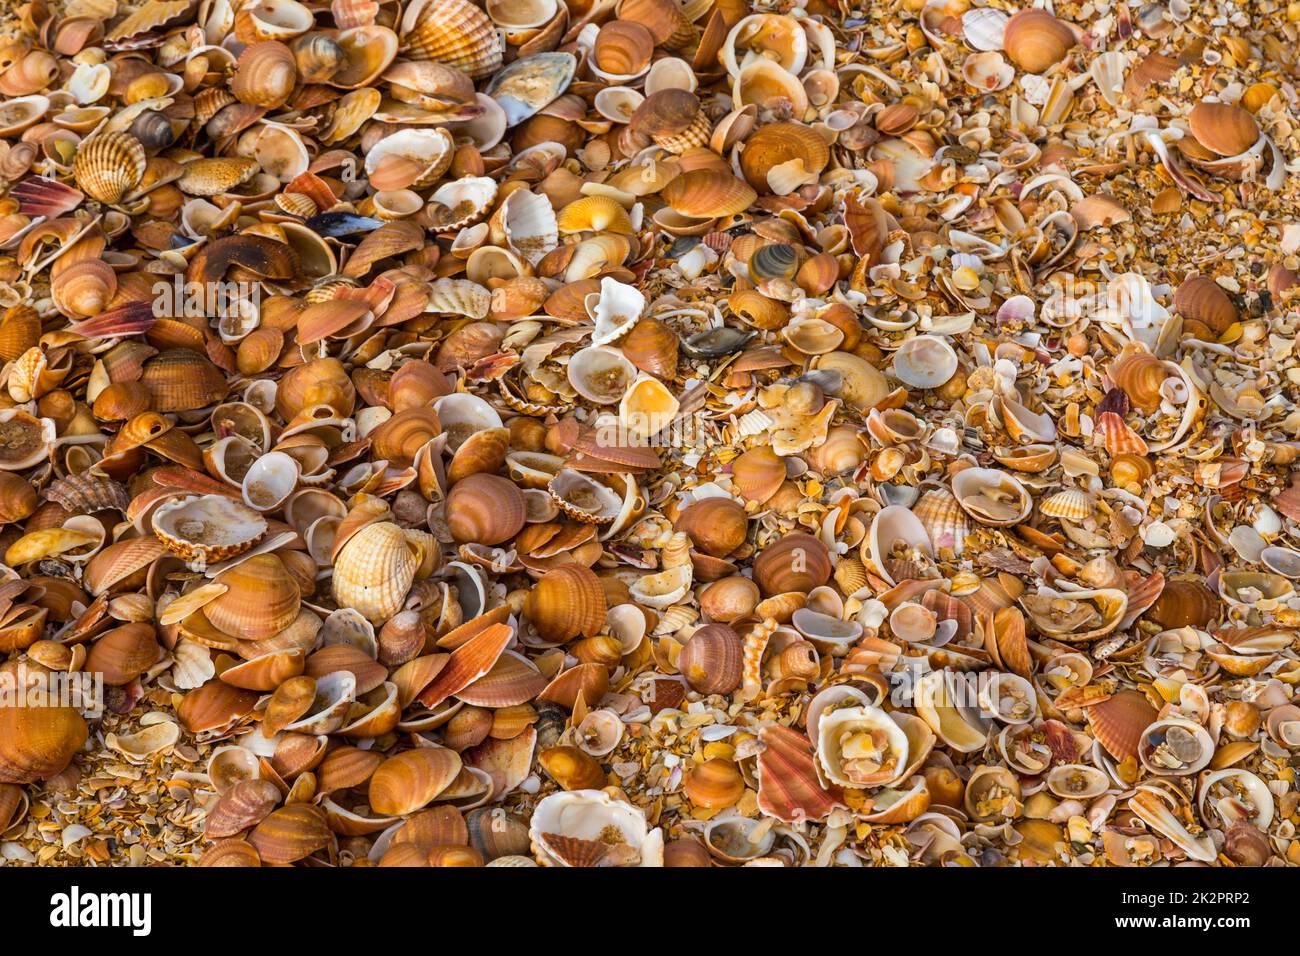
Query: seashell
{"type": "Point", "coordinates": [410, 158]}
{"type": "Point", "coordinates": [717, 526]}
{"type": "Point", "coordinates": [1036, 41]}
{"type": "Point", "coordinates": [765, 37]}
{"type": "Point", "coordinates": [618, 104]}
{"type": "Point", "coordinates": [1184, 603]}
{"type": "Point", "coordinates": [646, 408]}
{"type": "Point", "coordinates": [615, 309]}
{"type": "Point", "coordinates": [1069, 505]}
{"type": "Point", "coordinates": [584, 499]}
{"type": "Point", "coordinates": [411, 780]}
{"type": "Point", "coordinates": [180, 380]}
{"type": "Point", "coordinates": [452, 32]}
{"type": "Point", "coordinates": [109, 165]}
{"type": "Point", "coordinates": [896, 540]}
{"type": "Point", "coordinates": [913, 622]}
{"type": "Point", "coordinates": [943, 519]}
{"type": "Point", "coordinates": [273, 20]}
{"type": "Point", "coordinates": [601, 374]}
{"type": "Point", "coordinates": [566, 602]}
{"type": "Point", "coordinates": [461, 203]}
{"type": "Point", "coordinates": [291, 833]}
{"type": "Point", "coordinates": [757, 474]}
{"type": "Point", "coordinates": [622, 50]}
{"type": "Point", "coordinates": [708, 194]}
{"type": "Point", "coordinates": [987, 72]}
{"type": "Point", "coordinates": [594, 214]}
{"type": "Point", "coordinates": [261, 599]}
{"type": "Point", "coordinates": [367, 52]}
{"type": "Point", "coordinates": [984, 28]}
{"type": "Point", "coordinates": [580, 828]}
{"type": "Point", "coordinates": [38, 742]}
{"type": "Point", "coordinates": [1119, 722]}
{"type": "Point", "coordinates": [653, 347]}
{"type": "Point", "coordinates": [1175, 747]}
{"type": "Point", "coordinates": [668, 23]}
{"type": "Point", "coordinates": [765, 84]}
{"type": "Point", "coordinates": [710, 660]}
{"type": "Point", "coordinates": [265, 75]}
{"type": "Point", "coordinates": [374, 570]}
{"type": "Point", "coordinates": [925, 362]}
{"type": "Point", "coordinates": [1201, 299]}
{"type": "Point", "coordinates": [483, 451]}
{"type": "Point", "coordinates": [244, 805]}
{"type": "Point", "coordinates": [1222, 128]}
{"type": "Point", "coordinates": [714, 784]}
{"type": "Point", "coordinates": [269, 481]}
{"type": "Point", "coordinates": [461, 415]}
{"type": "Point", "coordinates": [673, 119]}
{"type": "Point", "coordinates": [1076, 616]}
{"type": "Point", "coordinates": [992, 497]}
{"type": "Point", "coordinates": [796, 562]}
{"type": "Point", "coordinates": [572, 768]}
{"type": "Point", "coordinates": [207, 528]}
{"type": "Point", "coordinates": [530, 84]}
{"type": "Point", "coordinates": [485, 509]}
{"type": "Point", "coordinates": [777, 144]}
{"type": "Point", "coordinates": [317, 57]}
{"type": "Point", "coordinates": [529, 224]}
{"type": "Point", "coordinates": [664, 589]}
{"type": "Point", "coordinates": [1009, 698]}
{"type": "Point", "coordinates": [1077, 782]}
{"type": "Point", "coordinates": [400, 438]}
{"type": "Point", "coordinates": [1151, 808]}
{"type": "Point", "coordinates": [213, 176]}
{"type": "Point", "coordinates": [934, 702]}
{"type": "Point", "coordinates": [860, 747]}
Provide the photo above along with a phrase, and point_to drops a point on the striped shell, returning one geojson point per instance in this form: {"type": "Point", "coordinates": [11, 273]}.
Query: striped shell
{"type": "Point", "coordinates": [453, 32]}
{"type": "Point", "coordinates": [943, 518]}
{"type": "Point", "coordinates": [1072, 504]}
{"type": "Point", "coordinates": [374, 571]}
{"type": "Point", "coordinates": [109, 166]}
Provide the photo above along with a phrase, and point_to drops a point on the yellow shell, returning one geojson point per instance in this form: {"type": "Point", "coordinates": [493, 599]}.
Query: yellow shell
{"type": "Point", "coordinates": [594, 214]}
{"type": "Point", "coordinates": [109, 166]}
{"type": "Point", "coordinates": [1071, 504]}
{"type": "Point", "coordinates": [374, 571]}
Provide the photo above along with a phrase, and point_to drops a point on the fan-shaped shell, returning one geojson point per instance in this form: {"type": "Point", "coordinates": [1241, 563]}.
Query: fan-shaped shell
{"type": "Point", "coordinates": [453, 32]}
{"type": "Point", "coordinates": [109, 165]}
{"type": "Point", "coordinates": [207, 528]}
{"type": "Point", "coordinates": [374, 571]}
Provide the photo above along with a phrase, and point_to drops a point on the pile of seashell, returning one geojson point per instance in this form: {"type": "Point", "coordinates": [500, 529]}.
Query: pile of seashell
{"type": "Point", "coordinates": [651, 432]}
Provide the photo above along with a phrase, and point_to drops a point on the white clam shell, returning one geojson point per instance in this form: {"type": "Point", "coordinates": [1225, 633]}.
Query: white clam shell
{"type": "Point", "coordinates": [837, 727]}
{"type": "Point", "coordinates": [601, 374]}
{"type": "Point", "coordinates": [615, 309]}
{"type": "Point", "coordinates": [925, 361]}
{"type": "Point", "coordinates": [592, 815]}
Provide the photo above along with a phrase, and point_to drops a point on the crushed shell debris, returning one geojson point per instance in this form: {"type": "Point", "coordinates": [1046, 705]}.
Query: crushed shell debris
{"type": "Point", "coordinates": [650, 432]}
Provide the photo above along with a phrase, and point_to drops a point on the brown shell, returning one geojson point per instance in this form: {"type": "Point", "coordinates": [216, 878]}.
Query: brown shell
{"type": "Point", "coordinates": [796, 562]}
{"type": "Point", "coordinates": [38, 742]}
{"type": "Point", "coordinates": [711, 660]}
{"type": "Point", "coordinates": [180, 380]}
{"type": "Point", "coordinates": [1223, 128]}
{"type": "Point", "coordinates": [1118, 722]}
{"type": "Point", "coordinates": [717, 526]}
{"type": "Point", "coordinates": [1202, 299]}
{"type": "Point", "coordinates": [566, 602]}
